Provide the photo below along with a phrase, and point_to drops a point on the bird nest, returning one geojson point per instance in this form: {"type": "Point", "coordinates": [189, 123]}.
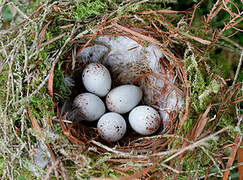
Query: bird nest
{"type": "Point", "coordinates": [129, 62]}
{"type": "Point", "coordinates": [148, 48]}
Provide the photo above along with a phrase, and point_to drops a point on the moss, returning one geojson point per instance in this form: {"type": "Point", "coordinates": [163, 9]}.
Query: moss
{"type": "Point", "coordinates": [60, 89]}
{"type": "Point", "coordinates": [203, 85]}
{"type": "Point", "coordinates": [206, 96]}
{"type": "Point", "coordinates": [33, 5]}
{"type": "Point", "coordinates": [227, 119]}
{"type": "Point", "coordinates": [197, 161]}
{"type": "Point", "coordinates": [98, 167]}
{"type": "Point", "coordinates": [40, 106]}
{"type": "Point", "coordinates": [3, 82]}
{"type": "Point", "coordinates": [6, 14]}
{"type": "Point", "coordinates": [21, 177]}
{"type": "Point", "coordinates": [188, 124]}
{"type": "Point", "coordinates": [195, 78]}
{"type": "Point", "coordinates": [1, 165]}
{"type": "Point", "coordinates": [89, 8]}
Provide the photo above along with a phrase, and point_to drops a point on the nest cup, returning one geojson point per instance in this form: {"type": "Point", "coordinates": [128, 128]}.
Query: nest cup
{"type": "Point", "coordinates": [129, 63]}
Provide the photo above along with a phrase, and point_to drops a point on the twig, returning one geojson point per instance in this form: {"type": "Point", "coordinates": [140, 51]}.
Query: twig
{"type": "Point", "coordinates": [238, 69]}
{"type": "Point", "coordinates": [195, 8]}
{"type": "Point", "coordinates": [50, 169]}
{"type": "Point", "coordinates": [20, 12]}
{"type": "Point", "coordinates": [212, 159]}
{"type": "Point", "coordinates": [122, 154]}
{"type": "Point", "coordinates": [198, 143]}
{"type": "Point", "coordinates": [232, 42]}
{"type": "Point", "coordinates": [177, 151]}
{"type": "Point", "coordinates": [170, 168]}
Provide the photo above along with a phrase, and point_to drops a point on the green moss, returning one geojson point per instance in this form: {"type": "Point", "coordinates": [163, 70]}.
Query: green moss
{"type": "Point", "coordinates": [198, 161]}
{"type": "Point", "coordinates": [39, 104]}
{"type": "Point", "coordinates": [6, 14]}
{"type": "Point", "coordinates": [88, 8]}
{"type": "Point", "coordinates": [188, 124]}
{"type": "Point", "coordinates": [98, 167]}
{"type": "Point", "coordinates": [33, 5]}
{"type": "Point", "coordinates": [206, 96]}
{"type": "Point", "coordinates": [59, 87]}
{"type": "Point", "coordinates": [21, 177]}
{"type": "Point", "coordinates": [3, 82]}
{"type": "Point", "coordinates": [227, 119]}
{"type": "Point", "coordinates": [1, 166]}
{"type": "Point", "coordinates": [203, 86]}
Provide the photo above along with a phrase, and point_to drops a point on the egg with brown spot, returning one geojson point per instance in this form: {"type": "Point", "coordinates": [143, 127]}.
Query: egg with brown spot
{"type": "Point", "coordinates": [145, 120]}
{"type": "Point", "coordinates": [111, 127]}
{"type": "Point", "coordinates": [124, 98]}
{"type": "Point", "coordinates": [90, 106]}
{"type": "Point", "coordinates": [96, 79]}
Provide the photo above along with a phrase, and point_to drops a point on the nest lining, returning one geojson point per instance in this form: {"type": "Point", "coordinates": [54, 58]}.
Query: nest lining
{"type": "Point", "coordinates": [128, 63]}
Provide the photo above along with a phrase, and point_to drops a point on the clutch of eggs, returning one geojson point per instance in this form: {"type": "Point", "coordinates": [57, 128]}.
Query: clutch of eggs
{"type": "Point", "coordinates": [112, 126]}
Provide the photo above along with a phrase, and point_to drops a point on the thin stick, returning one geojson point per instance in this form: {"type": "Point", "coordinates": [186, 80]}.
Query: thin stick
{"type": "Point", "coordinates": [238, 69]}
{"type": "Point", "coordinates": [196, 144]}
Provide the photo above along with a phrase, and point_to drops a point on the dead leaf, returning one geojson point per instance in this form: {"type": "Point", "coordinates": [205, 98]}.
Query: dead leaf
{"type": "Point", "coordinates": [240, 160]}
{"type": "Point", "coordinates": [50, 80]}
{"type": "Point", "coordinates": [33, 121]}
{"type": "Point", "coordinates": [232, 157]}
{"type": "Point", "coordinates": [198, 128]}
{"type": "Point", "coordinates": [42, 33]}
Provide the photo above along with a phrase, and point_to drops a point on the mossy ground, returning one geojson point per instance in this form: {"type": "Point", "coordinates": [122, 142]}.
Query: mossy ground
{"type": "Point", "coordinates": [26, 58]}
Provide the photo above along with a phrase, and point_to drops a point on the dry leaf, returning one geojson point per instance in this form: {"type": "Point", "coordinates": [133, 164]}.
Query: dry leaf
{"type": "Point", "coordinates": [50, 80]}
{"type": "Point", "coordinates": [240, 160]}
{"type": "Point", "coordinates": [198, 128]}
{"type": "Point", "coordinates": [42, 34]}
{"type": "Point", "coordinates": [231, 157]}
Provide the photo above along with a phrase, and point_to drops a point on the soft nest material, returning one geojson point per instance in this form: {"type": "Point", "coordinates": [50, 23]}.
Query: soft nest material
{"type": "Point", "coordinates": [128, 61]}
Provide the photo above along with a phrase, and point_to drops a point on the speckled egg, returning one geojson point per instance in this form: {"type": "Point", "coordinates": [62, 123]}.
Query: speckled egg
{"type": "Point", "coordinates": [90, 106]}
{"type": "Point", "coordinates": [123, 98]}
{"type": "Point", "coordinates": [111, 127]}
{"type": "Point", "coordinates": [97, 79]}
{"type": "Point", "coordinates": [144, 120]}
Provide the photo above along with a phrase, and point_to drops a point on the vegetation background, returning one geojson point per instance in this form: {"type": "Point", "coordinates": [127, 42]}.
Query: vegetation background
{"type": "Point", "coordinates": [35, 36]}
